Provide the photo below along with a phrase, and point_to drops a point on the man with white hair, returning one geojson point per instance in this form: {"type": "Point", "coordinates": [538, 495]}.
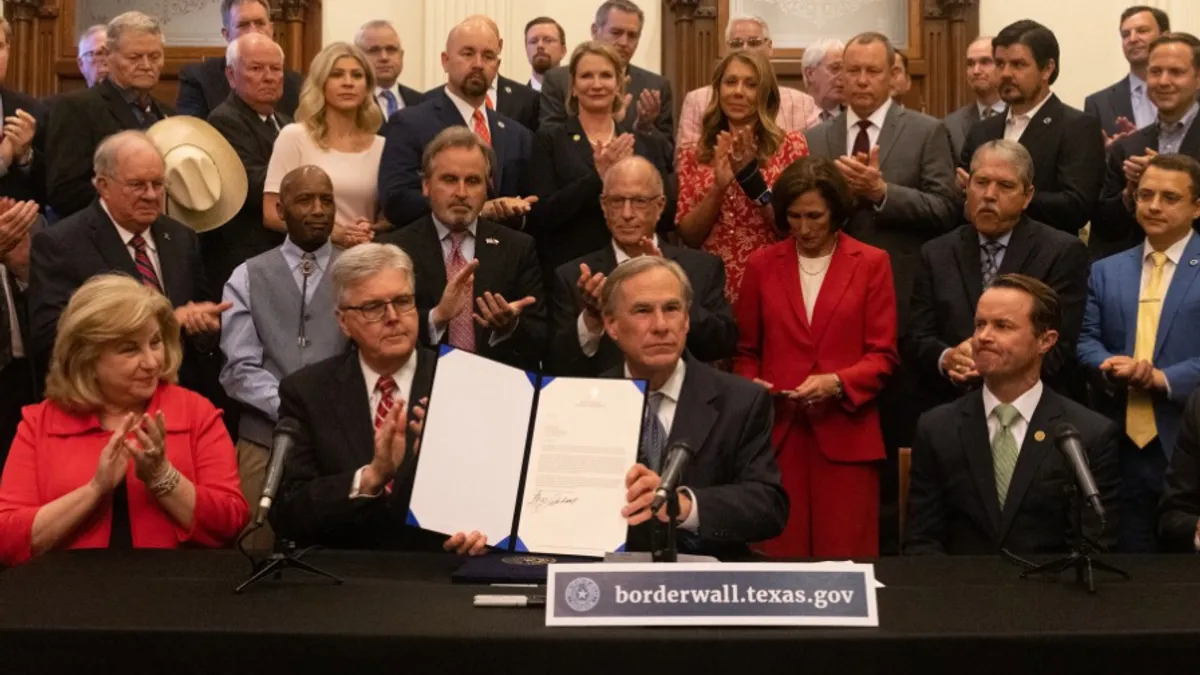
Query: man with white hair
{"type": "Point", "coordinates": [797, 110]}
{"type": "Point", "coordinates": [822, 68]}
{"type": "Point", "coordinates": [380, 41]}
{"type": "Point", "coordinates": [93, 54]}
{"type": "Point", "coordinates": [205, 85]}
{"type": "Point", "coordinates": [120, 102]}
{"type": "Point", "coordinates": [248, 119]}
{"type": "Point", "coordinates": [349, 476]}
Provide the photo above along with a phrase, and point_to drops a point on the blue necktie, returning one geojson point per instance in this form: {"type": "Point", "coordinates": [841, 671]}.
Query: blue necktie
{"type": "Point", "coordinates": [654, 435]}
{"type": "Point", "coordinates": [391, 101]}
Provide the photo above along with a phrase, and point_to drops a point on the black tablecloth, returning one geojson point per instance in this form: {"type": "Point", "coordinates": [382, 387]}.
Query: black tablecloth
{"type": "Point", "coordinates": [175, 612]}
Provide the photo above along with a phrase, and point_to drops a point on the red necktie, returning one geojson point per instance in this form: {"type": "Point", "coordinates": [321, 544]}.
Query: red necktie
{"type": "Point", "coordinates": [462, 327]}
{"type": "Point", "coordinates": [862, 142]}
{"type": "Point", "coordinates": [141, 260]}
{"type": "Point", "coordinates": [386, 387]}
{"type": "Point", "coordinates": [481, 127]}
{"type": "Point", "coordinates": [488, 100]}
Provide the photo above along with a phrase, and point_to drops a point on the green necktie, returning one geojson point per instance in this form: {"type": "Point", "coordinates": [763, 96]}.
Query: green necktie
{"type": "Point", "coordinates": [1004, 449]}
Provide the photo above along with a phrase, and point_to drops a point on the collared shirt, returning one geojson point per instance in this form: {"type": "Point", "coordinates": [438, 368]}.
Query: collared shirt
{"type": "Point", "coordinates": [877, 118]}
{"type": "Point", "coordinates": [1144, 110]}
{"type": "Point", "coordinates": [535, 85]}
{"type": "Point", "coordinates": [1174, 255]}
{"type": "Point", "coordinates": [127, 236]}
{"type": "Point", "coordinates": [1015, 126]}
{"type": "Point", "coordinates": [493, 93]}
{"type": "Point", "coordinates": [1170, 136]}
{"type": "Point", "coordinates": [14, 323]}
{"type": "Point", "coordinates": [1026, 404]}
{"type": "Point", "coordinates": [671, 390]}
{"type": "Point", "coordinates": [404, 380]}
{"type": "Point", "coordinates": [467, 110]}
{"type": "Point", "coordinates": [997, 108]}
{"type": "Point", "coordinates": [1003, 239]}
{"type": "Point", "coordinates": [272, 118]}
{"type": "Point", "coordinates": [467, 248]}
{"type": "Point", "coordinates": [146, 114]}
{"type": "Point", "coordinates": [383, 104]}
{"type": "Point", "coordinates": [243, 376]}
{"type": "Point", "coordinates": [589, 342]}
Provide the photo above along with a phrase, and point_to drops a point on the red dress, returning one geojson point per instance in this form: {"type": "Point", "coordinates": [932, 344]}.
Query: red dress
{"type": "Point", "coordinates": [56, 452]}
{"type": "Point", "coordinates": [741, 228]}
{"type": "Point", "coordinates": [828, 454]}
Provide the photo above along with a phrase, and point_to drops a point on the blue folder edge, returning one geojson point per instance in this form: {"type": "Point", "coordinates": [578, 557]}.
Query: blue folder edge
{"type": "Point", "coordinates": [444, 350]}
{"type": "Point", "coordinates": [512, 544]}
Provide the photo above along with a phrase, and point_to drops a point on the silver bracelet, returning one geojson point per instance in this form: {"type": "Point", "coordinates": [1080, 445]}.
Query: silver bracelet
{"type": "Point", "coordinates": [166, 483]}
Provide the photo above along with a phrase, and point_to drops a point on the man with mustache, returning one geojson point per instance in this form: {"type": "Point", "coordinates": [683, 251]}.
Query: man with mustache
{"type": "Point", "coordinates": [1066, 145]}
{"type": "Point", "coordinates": [957, 267]}
{"type": "Point", "coordinates": [984, 81]}
{"type": "Point", "coordinates": [1174, 80]}
{"type": "Point", "coordinates": [1141, 338]}
{"type": "Point", "coordinates": [546, 47]}
{"type": "Point", "coordinates": [986, 475]}
{"type": "Point", "coordinates": [280, 320]}
{"type": "Point", "coordinates": [1127, 105]}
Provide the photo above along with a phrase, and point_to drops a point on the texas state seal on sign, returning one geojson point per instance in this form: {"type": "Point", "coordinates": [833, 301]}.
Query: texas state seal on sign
{"type": "Point", "coordinates": [583, 594]}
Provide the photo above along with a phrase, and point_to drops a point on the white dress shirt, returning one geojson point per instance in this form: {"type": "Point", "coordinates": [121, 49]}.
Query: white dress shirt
{"type": "Point", "coordinates": [671, 391]}
{"type": "Point", "coordinates": [467, 110]}
{"type": "Point", "coordinates": [589, 342]}
{"type": "Point", "coordinates": [14, 324]}
{"type": "Point", "coordinates": [1015, 126]}
{"type": "Point", "coordinates": [810, 284]}
{"type": "Point", "coordinates": [127, 236]}
{"type": "Point", "coordinates": [404, 380]}
{"type": "Point", "coordinates": [997, 108]}
{"type": "Point", "coordinates": [1025, 404]}
{"type": "Point", "coordinates": [535, 85]}
{"type": "Point", "coordinates": [877, 119]}
{"type": "Point", "coordinates": [273, 119]}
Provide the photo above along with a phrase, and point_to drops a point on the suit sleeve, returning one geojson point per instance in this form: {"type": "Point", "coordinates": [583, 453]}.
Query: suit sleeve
{"type": "Point", "coordinates": [191, 93]}
{"type": "Point", "coordinates": [561, 197]}
{"type": "Point", "coordinates": [1069, 278]}
{"type": "Point", "coordinates": [52, 281]}
{"type": "Point", "coordinates": [532, 334]}
{"type": "Point", "coordinates": [242, 141]}
{"type": "Point", "coordinates": [220, 511]}
{"type": "Point", "coordinates": [1092, 351]}
{"type": "Point", "coordinates": [748, 358]}
{"type": "Point", "coordinates": [712, 335]}
{"type": "Point", "coordinates": [922, 347]}
{"type": "Point", "coordinates": [1103, 460]}
{"type": "Point", "coordinates": [666, 114]}
{"type": "Point", "coordinates": [932, 205]}
{"type": "Point", "coordinates": [400, 174]}
{"type": "Point", "coordinates": [1080, 174]}
{"type": "Point", "coordinates": [925, 531]}
{"type": "Point", "coordinates": [552, 106]}
{"type": "Point", "coordinates": [1091, 105]}
{"type": "Point", "coordinates": [753, 505]}
{"type": "Point", "coordinates": [69, 146]}
{"type": "Point", "coordinates": [1114, 221]}
{"type": "Point", "coordinates": [863, 381]}
{"type": "Point", "coordinates": [1180, 507]}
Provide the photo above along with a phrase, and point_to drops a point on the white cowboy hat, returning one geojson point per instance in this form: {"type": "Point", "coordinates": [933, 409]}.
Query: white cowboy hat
{"type": "Point", "coordinates": [206, 179]}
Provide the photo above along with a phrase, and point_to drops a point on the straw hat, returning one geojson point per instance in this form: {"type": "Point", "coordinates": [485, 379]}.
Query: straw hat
{"type": "Point", "coordinates": [206, 178]}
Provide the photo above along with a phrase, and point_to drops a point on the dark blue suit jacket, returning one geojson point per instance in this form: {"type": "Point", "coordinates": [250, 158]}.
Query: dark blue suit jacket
{"type": "Point", "coordinates": [411, 129]}
{"type": "Point", "coordinates": [1110, 328]}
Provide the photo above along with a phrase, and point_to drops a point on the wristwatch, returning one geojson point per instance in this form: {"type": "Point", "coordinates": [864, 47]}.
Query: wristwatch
{"type": "Point", "coordinates": [26, 159]}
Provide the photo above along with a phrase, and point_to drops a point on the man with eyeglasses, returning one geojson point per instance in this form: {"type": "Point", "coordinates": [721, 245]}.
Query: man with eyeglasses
{"type": "Point", "coordinates": [633, 200]}
{"type": "Point", "coordinates": [124, 231]}
{"type": "Point", "coordinates": [93, 54]}
{"type": "Point", "coordinates": [481, 285]}
{"type": "Point", "coordinates": [797, 110]}
{"type": "Point", "coordinates": [822, 68]}
{"type": "Point", "coordinates": [120, 102]}
{"type": "Point", "coordinates": [280, 320]}
{"type": "Point", "coordinates": [546, 47]}
{"type": "Point", "coordinates": [381, 43]}
{"type": "Point", "coordinates": [349, 476]}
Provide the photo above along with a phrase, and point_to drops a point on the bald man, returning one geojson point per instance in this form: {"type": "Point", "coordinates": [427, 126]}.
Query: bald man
{"type": "Point", "coordinates": [581, 347]}
{"type": "Point", "coordinates": [471, 62]}
{"type": "Point", "coordinates": [281, 318]}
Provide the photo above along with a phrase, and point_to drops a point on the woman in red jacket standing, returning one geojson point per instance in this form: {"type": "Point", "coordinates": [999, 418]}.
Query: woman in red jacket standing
{"type": "Point", "coordinates": [118, 456]}
{"type": "Point", "coordinates": [817, 325]}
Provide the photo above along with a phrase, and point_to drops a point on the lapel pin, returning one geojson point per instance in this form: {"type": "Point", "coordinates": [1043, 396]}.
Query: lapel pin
{"type": "Point", "coordinates": [492, 242]}
{"type": "Point", "coordinates": [1039, 435]}
{"type": "Point", "coordinates": [1046, 121]}
{"type": "Point", "coordinates": [500, 124]}
{"type": "Point", "coordinates": [1193, 262]}
{"type": "Point", "coordinates": [575, 138]}
{"type": "Point", "coordinates": [167, 236]}
{"type": "Point", "coordinates": [507, 89]}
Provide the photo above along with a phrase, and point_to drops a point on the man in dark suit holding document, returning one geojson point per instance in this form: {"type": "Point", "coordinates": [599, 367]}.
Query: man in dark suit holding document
{"type": "Point", "coordinates": [731, 494]}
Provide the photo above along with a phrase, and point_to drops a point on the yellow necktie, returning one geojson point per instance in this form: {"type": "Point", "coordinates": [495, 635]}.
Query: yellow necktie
{"type": "Point", "coordinates": [1139, 414]}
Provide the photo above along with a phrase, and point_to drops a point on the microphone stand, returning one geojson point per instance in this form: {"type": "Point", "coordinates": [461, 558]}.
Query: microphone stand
{"type": "Point", "coordinates": [1081, 557]}
{"type": "Point", "coordinates": [284, 557]}
{"type": "Point", "coordinates": [670, 552]}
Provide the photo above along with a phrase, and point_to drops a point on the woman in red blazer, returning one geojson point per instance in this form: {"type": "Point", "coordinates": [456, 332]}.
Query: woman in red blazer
{"type": "Point", "coordinates": [118, 456]}
{"type": "Point", "coordinates": [817, 323]}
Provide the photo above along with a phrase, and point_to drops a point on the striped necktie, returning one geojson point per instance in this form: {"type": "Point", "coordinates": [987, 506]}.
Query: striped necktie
{"type": "Point", "coordinates": [1004, 449]}
{"type": "Point", "coordinates": [141, 260]}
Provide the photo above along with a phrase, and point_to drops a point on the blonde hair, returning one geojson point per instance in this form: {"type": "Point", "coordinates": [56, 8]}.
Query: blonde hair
{"type": "Point", "coordinates": [311, 112]}
{"type": "Point", "coordinates": [108, 308]}
{"type": "Point", "coordinates": [605, 51]}
{"type": "Point", "coordinates": [766, 131]}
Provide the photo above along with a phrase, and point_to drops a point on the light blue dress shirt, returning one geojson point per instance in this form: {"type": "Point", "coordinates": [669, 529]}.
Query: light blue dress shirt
{"type": "Point", "coordinates": [999, 254]}
{"type": "Point", "coordinates": [1144, 111]}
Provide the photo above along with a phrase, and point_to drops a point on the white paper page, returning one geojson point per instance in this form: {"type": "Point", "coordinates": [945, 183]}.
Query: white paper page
{"type": "Point", "coordinates": [469, 468]}
{"type": "Point", "coordinates": [585, 439]}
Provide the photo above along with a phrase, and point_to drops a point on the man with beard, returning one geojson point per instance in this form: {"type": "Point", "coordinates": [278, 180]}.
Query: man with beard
{"type": "Point", "coordinates": [280, 320]}
{"type": "Point", "coordinates": [471, 60]}
{"type": "Point", "coordinates": [984, 82]}
{"type": "Point", "coordinates": [546, 47]}
{"type": "Point", "coordinates": [1066, 145]}
{"type": "Point", "coordinates": [381, 43]}
{"type": "Point", "coordinates": [1126, 106]}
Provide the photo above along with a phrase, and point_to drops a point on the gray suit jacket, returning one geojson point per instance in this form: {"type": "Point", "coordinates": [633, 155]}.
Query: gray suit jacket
{"type": "Point", "coordinates": [916, 160]}
{"type": "Point", "coordinates": [556, 85]}
{"type": "Point", "coordinates": [959, 123]}
{"type": "Point", "coordinates": [1110, 103]}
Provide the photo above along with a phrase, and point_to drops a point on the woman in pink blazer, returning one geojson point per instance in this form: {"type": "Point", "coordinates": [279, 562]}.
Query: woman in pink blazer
{"type": "Point", "coordinates": [817, 324]}
{"type": "Point", "coordinates": [118, 456]}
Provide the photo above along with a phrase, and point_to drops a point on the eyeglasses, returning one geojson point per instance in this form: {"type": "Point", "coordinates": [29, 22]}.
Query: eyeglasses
{"type": "Point", "coordinates": [752, 43]}
{"type": "Point", "coordinates": [376, 311]}
{"type": "Point", "coordinates": [94, 55]}
{"type": "Point", "coordinates": [617, 203]}
{"type": "Point", "coordinates": [376, 50]}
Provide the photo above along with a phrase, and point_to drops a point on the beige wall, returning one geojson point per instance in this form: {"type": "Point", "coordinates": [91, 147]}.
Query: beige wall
{"type": "Point", "coordinates": [423, 25]}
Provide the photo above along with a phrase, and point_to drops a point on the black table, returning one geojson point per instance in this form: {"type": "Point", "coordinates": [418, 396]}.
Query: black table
{"type": "Point", "coordinates": [166, 612]}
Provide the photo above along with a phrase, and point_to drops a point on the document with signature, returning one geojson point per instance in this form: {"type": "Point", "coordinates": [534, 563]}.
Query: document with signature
{"type": "Point", "coordinates": [585, 439]}
{"type": "Point", "coordinates": [536, 463]}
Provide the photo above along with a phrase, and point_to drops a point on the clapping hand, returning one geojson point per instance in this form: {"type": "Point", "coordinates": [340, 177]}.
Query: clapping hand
{"type": "Point", "coordinates": [863, 175]}
{"type": "Point", "coordinates": [606, 156]}
{"type": "Point", "coordinates": [1124, 128]}
{"type": "Point", "coordinates": [497, 313]}
{"type": "Point", "coordinates": [650, 248]}
{"type": "Point", "coordinates": [391, 445]}
{"type": "Point", "coordinates": [591, 289]}
{"type": "Point", "coordinates": [114, 458]}
{"type": "Point", "coordinates": [1135, 166]}
{"type": "Point", "coordinates": [348, 235]}
{"type": "Point", "coordinates": [15, 220]}
{"type": "Point", "coordinates": [959, 364]}
{"type": "Point", "coordinates": [20, 129]}
{"type": "Point", "coordinates": [148, 447]}
{"type": "Point", "coordinates": [649, 107]}
{"type": "Point", "coordinates": [197, 318]}
{"type": "Point", "coordinates": [456, 298]}
{"type": "Point", "coordinates": [503, 208]}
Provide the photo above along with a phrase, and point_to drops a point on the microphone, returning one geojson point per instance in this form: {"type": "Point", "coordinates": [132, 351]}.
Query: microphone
{"type": "Point", "coordinates": [285, 437]}
{"type": "Point", "coordinates": [1068, 441]}
{"type": "Point", "coordinates": [678, 456]}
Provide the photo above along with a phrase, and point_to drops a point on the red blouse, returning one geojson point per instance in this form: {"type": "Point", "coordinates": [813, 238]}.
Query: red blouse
{"type": "Point", "coordinates": [741, 228]}
{"type": "Point", "coordinates": [56, 452]}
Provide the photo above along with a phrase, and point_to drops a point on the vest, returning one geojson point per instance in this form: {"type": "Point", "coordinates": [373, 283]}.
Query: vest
{"type": "Point", "coordinates": [274, 305]}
